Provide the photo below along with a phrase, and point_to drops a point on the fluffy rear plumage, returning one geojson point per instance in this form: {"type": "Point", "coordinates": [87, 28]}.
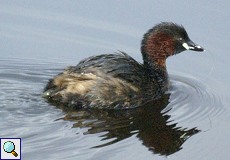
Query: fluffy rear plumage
{"type": "Point", "coordinates": [104, 81]}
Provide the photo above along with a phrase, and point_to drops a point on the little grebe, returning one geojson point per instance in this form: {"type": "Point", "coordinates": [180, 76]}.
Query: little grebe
{"type": "Point", "coordinates": [117, 81]}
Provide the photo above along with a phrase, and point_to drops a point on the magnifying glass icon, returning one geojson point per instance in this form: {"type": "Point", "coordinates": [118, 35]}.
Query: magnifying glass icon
{"type": "Point", "coordinates": [9, 147]}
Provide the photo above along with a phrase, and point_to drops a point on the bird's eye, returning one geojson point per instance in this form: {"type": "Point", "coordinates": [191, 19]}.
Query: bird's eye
{"type": "Point", "coordinates": [180, 39]}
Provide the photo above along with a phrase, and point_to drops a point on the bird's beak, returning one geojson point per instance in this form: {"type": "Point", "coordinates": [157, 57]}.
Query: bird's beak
{"type": "Point", "coordinates": [190, 45]}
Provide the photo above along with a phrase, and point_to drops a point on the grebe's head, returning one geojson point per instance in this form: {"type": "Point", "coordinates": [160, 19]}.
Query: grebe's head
{"type": "Point", "coordinates": [166, 39]}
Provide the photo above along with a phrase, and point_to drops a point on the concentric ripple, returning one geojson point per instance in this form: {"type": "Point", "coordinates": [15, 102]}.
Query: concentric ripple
{"type": "Point", "coordinates": [191, 101]}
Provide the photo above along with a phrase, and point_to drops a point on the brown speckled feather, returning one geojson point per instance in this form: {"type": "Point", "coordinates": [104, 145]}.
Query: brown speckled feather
{"type": "Point", "coordinates": [104, 81]}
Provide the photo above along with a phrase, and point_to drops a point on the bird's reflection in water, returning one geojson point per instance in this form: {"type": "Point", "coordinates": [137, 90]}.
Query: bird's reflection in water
{"type": "Point", "coordinates": [147, 122]}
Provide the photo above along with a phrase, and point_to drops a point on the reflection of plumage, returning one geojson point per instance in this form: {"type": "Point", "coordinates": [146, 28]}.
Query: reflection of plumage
{"type": "Point", "coordinates": [147, 123]}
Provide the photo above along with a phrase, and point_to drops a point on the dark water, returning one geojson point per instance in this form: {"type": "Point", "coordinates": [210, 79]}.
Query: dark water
{"type": "Point", "coordinates": [38, 39]}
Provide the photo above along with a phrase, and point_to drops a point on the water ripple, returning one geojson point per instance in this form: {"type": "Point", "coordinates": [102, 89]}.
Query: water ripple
{"type": "Point", "coordinates": [193, 101]}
